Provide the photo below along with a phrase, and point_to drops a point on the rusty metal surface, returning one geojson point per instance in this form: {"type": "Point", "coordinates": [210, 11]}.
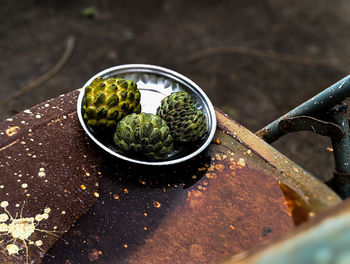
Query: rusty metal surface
{"type": "Point", "coordinates": [323, 240]}
{"type": "Point", "coordinates": [318, 195]}
{"type": "Point", "coordinates": [227, 200]}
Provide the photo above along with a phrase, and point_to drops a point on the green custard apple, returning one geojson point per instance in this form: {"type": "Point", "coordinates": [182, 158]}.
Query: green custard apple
{"type": "Point", "coordinates": [186, 123]}
{"type": "Point", "coordinates": [106, 101]}
{"type": "Point", "coordinates": [144, 135]}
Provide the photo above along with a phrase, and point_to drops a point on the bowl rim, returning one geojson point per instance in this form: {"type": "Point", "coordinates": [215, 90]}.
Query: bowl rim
{"type": "Point", "coordinates": [160, 71]}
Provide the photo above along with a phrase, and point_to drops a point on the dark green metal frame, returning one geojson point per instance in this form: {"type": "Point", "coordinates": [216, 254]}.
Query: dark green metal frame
{"type": "Point", "coordinates": [324, 114]}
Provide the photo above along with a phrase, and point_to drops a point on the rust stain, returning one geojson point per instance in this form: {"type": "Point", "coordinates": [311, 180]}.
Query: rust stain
{"type": "Point", "coordinates": [299, 208]}
{"type": "Point", "coordinates": [232, 214]}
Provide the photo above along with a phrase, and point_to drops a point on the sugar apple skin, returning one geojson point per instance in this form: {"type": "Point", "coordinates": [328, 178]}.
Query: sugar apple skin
{"type": "Point", "coordinates": [144, 135]}
{"type": "Point", "coordinates": [106, 101]}
{"type": "Point", "coordinates": [186, 123]}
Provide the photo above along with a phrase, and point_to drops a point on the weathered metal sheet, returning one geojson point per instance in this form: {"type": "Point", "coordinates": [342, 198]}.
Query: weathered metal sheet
{"type": "Point", "coordinates": [217, 205]}
{"type": "Point", "coordinates": [47, 178]}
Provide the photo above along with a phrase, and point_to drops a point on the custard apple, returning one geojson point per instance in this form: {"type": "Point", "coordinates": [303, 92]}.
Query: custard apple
{"type": "Point", "coordinates": [186, 123]}
{"type": "Point", "coordinates": [106, 101]}
{"type": "Point", "coordinates": [144, 135]}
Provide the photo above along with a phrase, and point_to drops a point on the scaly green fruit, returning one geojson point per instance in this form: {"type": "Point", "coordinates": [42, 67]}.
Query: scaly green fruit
{"type": "Point", "coordinates": [144, 135]}
{"type": "Point", "coordinates": [186, 123]}
{"type": "Point", "coordinates": [106, 101]}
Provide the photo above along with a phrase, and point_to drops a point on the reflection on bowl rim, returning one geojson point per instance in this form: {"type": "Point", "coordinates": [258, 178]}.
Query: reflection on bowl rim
{"type": "Point", "coordinates": [167, 74]}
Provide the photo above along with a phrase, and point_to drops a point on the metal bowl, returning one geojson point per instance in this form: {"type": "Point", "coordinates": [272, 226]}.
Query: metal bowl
{"type": "Point", "coordinates": [155, 83]}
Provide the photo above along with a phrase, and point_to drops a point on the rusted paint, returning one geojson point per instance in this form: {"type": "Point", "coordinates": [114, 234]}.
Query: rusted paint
{"type": "Point", "coordinates": [318, 195]}
{"type": "Point", "coordinates": [324, 239]}
{"type": "Point", "coordinates": [219, 216]}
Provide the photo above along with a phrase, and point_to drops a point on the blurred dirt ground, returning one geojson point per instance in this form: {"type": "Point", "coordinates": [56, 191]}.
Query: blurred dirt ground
{"type": "Point", "coordinates": [276, 54]}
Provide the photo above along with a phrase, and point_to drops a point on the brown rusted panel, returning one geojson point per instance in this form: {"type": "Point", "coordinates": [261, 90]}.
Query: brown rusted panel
{"type": "Point", "coordinates": [216, 205]}
{"type": "Point", "coordinates": [318, 195]}
{"type": "Point", "coordinates": [324, 239]}
{"type": "Point", "coordinates": [232, 208]}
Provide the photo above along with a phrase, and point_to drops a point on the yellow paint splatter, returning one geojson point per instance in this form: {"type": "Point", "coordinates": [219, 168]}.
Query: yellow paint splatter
{"type": "Point", "coordinates": [96, 194]}
{"type": "Point", "coordinates": [142, 182]}
{"type": "Point", "coordinates": [12, 249]}
{"type": "Point", "coordinates": [219, 167]}
{"type": "Point", "coordinates": [156, 204]}
{"type": "Point", "coordinates": [217, 156]}
{"type": "Point", "coordinates": [211, 175]}
{"type": "Point", "coordinates": [3, 218]}
{"type": "Point", "coordinates": [41, 173]}
{"type": "Point", "coordinates": [21, 229]}
{"type": "Point", "coordinates": [12, 131]}
{"type": "Point", "coordinates": [38, 243]}
{"type": "Point", "coordinates": [241, 162]}
{"type": "Point", "coordinates": [83, 187]}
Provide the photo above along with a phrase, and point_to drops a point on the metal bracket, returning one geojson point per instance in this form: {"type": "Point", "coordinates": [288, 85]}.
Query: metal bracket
{"type": "Point", "coordinates": [327, 104]}
{"type": "Point", "coordinates": [308, 123]}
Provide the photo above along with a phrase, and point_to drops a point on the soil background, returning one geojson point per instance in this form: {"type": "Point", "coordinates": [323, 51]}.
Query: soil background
{"type": "Point", "coordinates": [252, 81]}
